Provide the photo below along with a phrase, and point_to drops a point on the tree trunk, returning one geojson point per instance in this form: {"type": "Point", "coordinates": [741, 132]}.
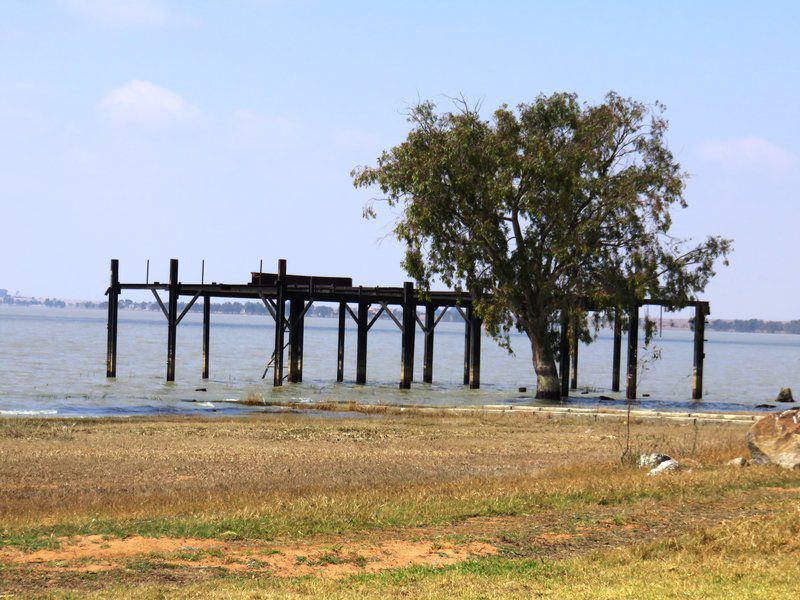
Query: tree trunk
{"type": "Point", "coordinates": [548, 385]}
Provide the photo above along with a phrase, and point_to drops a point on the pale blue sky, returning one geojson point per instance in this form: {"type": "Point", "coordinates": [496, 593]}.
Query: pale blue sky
{"type": "Point", "coordinates": [226, 130]}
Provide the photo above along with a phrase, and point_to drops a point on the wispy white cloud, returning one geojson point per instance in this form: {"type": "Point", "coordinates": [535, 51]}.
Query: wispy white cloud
{"type": "Point", "coordinates": [142, 102]}
{"type": "Point", "coordinates": [749, 153]}
{"type": "Point", "coordinates": [143, 13]}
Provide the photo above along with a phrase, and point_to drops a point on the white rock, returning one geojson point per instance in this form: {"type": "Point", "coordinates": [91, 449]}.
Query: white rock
{"type": "Point", "coordinates": [739, 461]}
{"type": "Point", "coordinates": [648, 461]}
{"type": "Point", "coordinates": [667, 465]}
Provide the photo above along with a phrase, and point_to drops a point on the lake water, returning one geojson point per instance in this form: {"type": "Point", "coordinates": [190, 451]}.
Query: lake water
{"type": "Point", "coordinates": [52, 362]}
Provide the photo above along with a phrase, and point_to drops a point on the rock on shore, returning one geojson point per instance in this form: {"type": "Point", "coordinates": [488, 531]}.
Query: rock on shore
{"type": "Point", "coordinates": [776, 439]}
{"type": "Point", "coordinates": [664, 467]}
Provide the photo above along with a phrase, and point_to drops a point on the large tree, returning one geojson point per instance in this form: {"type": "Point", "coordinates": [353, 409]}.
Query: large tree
{"type": "Point", "coordinates": [553, 206]}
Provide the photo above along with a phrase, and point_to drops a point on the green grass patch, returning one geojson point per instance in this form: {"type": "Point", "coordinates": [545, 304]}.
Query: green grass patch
{"type": "Point", "coordinates": [609, 486]}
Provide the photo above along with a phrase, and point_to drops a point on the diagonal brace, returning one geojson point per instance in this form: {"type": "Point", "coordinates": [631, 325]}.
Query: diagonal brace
{"type": "Point", "coordinates": [188, 307]}
{"type": "Point", "coordinates": [435, 323]}
{"type": "Point", "coordinates": [462, 313]}
{"type": "Point", "coordinates": [391, 314]}
{"type": "Point", "coordinates": [375, 318]}
{"type": "Point", "coordinates": [161, 304]}
{"type": "Point", "coordinates": [301, 315]}
{"type": "Point", "coordinates": [352, 314]}
{"type": "Point", "coordinates": [272, 308]}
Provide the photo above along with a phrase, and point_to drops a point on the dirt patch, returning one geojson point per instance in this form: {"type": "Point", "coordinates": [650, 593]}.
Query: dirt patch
{"type": "Point", "coordinates": [97, 547]}
{"type": "Point", "coordinates": [352, 558]}
{"type": "Point", "coordinates": [91, 554]}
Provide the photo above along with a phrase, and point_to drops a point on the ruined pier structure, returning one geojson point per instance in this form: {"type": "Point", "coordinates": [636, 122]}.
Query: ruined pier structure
{"type": "Point", "coordinates": [276, 290]}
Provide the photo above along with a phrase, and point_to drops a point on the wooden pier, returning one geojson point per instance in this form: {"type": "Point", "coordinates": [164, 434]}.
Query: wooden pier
{"type": "Point", "coordinates": [300, 292]}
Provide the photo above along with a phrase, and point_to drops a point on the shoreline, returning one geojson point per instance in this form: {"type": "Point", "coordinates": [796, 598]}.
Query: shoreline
{"type": "Point", "coordinates": [321, 409]}
{"type": "Point", "coordinates": [609, 413]}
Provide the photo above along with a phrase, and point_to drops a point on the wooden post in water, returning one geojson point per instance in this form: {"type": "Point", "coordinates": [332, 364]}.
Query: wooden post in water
{"type": "Point", "coordinates": [475, 335]}
{"type": "Point", "coordinates": [408, 337]}
{"type": "Point", "coordinates": [467, 343]}
{"type": "Point", "coordinates": [340, 343]}
{"type": "Point", "coordinates": [573, 381]}
{"type": "Point", "coordinates": [563, 347]}
{"type": "Point", "coordinates": [617, 350]}
{"type": "Point", "coordinates": [280, 318]}
{"type": "Point", "coordinates": [361, 342]}
{"type": "Point", "coordinates": [633, 351]}
{"type": "Point", "coordinates": [700, 312]}
{"type": "Point", "coordinates": [296, 330]}
{"type": "Point", "coordinates": [172, 318]}
{"type": "Point", "coordinates": [427, 361]}
{"type": "Point", "coordinates": [206, 334]}
{"type": "Point", "coordinates": [113, 310]}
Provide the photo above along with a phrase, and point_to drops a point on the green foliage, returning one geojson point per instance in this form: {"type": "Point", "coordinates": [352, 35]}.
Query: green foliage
{"type": "Point", "coordinates": [555, 204]}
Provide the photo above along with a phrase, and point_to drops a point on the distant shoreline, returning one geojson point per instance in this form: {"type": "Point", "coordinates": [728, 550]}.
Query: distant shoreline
{"type": "Point", "coordinates": [256, 308]}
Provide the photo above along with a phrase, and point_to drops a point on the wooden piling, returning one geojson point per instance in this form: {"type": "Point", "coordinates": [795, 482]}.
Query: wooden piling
{"type": "Point", "coordinates": [427, 360]}
{"type": "Point", "coordinates": [573, 381]}
{"type": "Point", "coordinates": [280, 318]}
{"type": "Point", "coordinates": [172, 318]}
{"type": "Point", "coordinates": [206, 335]}
{"type": "Point", "coordinates": [563, 347]}
{"type": "Point", "coordinates": [467, 342]}
{"type": "Point", "coordinates": [617, 350]}
{"type": "Point", "coordinates": [296, 330]}
{"type": "Point", "coordinates": [408, 337]}
{"type": "Point", "coordinates": [633, 352]}
{"type": "Point", "coordinates": [361, 342]}
{"type": "Point", "coordinates": [475, 336]}
{"type": "Point", "coordinates": [340, 343]}
{"type": "Point", "coordinates": [700, 312]}
{"type": "Point", "coordinates": [113, 310]}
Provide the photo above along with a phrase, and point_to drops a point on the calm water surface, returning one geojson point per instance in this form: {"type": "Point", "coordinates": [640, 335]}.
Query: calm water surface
{"type": "Point", "coordinates": [52, 362]}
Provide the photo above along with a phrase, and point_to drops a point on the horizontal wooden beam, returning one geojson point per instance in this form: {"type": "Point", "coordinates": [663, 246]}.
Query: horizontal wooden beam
{"type": "Point", "coordinates": [307, 280]}
{"type": "Point", "coordinates": [322, 290]}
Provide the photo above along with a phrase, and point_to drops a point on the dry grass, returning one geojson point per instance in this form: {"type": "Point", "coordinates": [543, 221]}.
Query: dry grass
{"type": "Point", "coordinates": [57, 471]}
{"type": "Point", "coordinates": [528, 484]}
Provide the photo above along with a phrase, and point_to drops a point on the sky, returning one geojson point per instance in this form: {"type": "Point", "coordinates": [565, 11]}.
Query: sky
{"type": "Point", "coordinates": [226, 131]}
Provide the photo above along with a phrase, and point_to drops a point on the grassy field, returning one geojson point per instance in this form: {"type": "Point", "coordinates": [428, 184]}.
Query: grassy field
{"type": "Point", "coordinates": [409, 505]}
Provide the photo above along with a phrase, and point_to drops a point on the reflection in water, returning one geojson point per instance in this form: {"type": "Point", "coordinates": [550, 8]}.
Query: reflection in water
{"type": "Point", "coordinates": [52, 361]}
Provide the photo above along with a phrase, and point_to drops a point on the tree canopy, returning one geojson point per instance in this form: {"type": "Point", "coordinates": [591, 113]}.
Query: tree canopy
{"type": "Point", "coordinates": [541, 208]}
